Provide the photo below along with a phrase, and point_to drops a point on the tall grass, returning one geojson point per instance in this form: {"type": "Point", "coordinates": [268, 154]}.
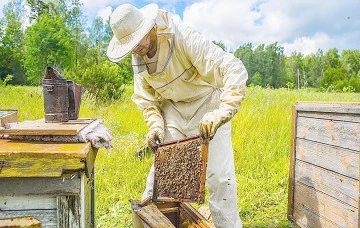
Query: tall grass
{"type": "Point", "coordinates": [261, 140]}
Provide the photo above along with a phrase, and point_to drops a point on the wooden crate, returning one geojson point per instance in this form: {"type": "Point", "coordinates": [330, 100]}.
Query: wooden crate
{"type": "Point", "coordinates": [51, 182]}
{"type": "Point", "coordinates": [180, 169]}
{"type": "Point", "coordinates": [7, 116]}
{"type": "Point", "coordinates": [167, 213]}
{"type": "Point", "coordinates": [324, 165]}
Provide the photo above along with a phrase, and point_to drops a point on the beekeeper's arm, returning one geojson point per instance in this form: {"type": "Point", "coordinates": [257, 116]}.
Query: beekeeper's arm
{"type": "Point", "coordinates": [228, 71]}
{"type": "Point", "coordinates": [147, 100]}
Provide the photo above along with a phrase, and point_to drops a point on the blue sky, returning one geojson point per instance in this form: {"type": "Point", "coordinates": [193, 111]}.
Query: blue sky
{"type": "Point", "coordinates": [297, 25]}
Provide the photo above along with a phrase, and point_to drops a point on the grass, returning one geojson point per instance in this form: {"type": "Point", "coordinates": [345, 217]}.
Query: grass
{"type": "Point", "coordinates": [261, 139]}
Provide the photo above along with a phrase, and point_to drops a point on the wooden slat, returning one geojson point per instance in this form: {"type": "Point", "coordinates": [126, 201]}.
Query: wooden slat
{"type": "Point", "coordinates": [27, 202]}
{"type": "Point", "coordinates": [330, 107]}
{"type": "Point", "coordinates": [195, 216]}
{"type": "Point", "coordinates": [307, 218]}
{"type": "Point", "coordinates": [325, 206]}
{"type": "Point", "coordinates": [39, 127]}
{"type": "Point", "coordinates": [40, 159]}
{"type": "Point", "coordinates": [152, 216]}
{"type": "Point", "coordinates": [48, 218]}
{"type": "Point", "coordinates": [68, 211]}
{"type": "Point", "coordinates": [332, 116]}
{"type": "Point", "coordinates": [292, 166]}
{"type": "Point", "coordinates": [336, 133]}
{"type": "Point", "coordinates": [343, 161]}
{"type": "Point", "coordinates": [39, 186]}
{"type": "Point", "coordinates": [335, 185]}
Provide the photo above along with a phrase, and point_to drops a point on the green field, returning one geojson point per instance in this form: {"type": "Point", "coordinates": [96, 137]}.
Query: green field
{"type": "Point", "coordinates": [261, 139]}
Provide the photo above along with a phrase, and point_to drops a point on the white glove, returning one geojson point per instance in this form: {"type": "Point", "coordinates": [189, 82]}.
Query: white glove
{"type": "Point", "coordinates": [154, 137]}
{"type": "Point", "coordinates": [211, 121]}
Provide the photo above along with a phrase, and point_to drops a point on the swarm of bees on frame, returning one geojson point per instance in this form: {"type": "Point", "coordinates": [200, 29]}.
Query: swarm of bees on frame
{"type": "Point", "coordinates": [178, 169]}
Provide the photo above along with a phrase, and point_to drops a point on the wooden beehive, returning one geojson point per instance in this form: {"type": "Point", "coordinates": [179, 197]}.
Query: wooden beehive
{"type": "Point", "coordinates": [167, 213]}
{"type": "Point", "coordinates": [52, 182]}
{"type": "Point", "coordinates": [324, 165]}
{"type": "Point", "coordinates": [7, 116]}
{"type": "Point", "coordinates": [180, 170]}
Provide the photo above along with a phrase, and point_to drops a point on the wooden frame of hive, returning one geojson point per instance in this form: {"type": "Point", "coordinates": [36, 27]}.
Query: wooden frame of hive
{"type": "Point", "coordinates": [178, 177]}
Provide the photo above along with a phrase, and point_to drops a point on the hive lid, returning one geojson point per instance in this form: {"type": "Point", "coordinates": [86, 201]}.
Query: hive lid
{"type": "Point", "coordinates": [180, 170]}
{"type": "Point", "coordinates": [39, 127]}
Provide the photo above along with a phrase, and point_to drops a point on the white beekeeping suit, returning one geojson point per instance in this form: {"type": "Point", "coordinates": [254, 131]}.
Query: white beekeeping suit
{"type": "Point", "coordinates": [192, 82]}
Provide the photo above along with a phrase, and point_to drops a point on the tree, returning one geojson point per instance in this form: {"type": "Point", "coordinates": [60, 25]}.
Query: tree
{"type": "Point", "coordinates": [350, 59]}
{"type": "Point", "coordinates": [47, 42]}
{"type": "Point", "coordinates": [332, 58]}
{"type": "Point", "coordinates": [334, 77]}
{"type": "Point", "coordinates": [11, 43]}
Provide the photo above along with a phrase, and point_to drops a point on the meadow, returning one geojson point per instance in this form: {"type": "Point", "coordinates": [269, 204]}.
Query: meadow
{"type": "Point", "coordinates": [261, 139]}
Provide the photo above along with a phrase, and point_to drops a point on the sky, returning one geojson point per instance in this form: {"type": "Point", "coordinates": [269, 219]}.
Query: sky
{"type": "Point", "coordinates": [297, 25]}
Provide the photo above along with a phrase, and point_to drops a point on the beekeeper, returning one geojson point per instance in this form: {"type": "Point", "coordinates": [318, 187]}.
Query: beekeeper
{"type": "Point", "coordinates": [185, 85]}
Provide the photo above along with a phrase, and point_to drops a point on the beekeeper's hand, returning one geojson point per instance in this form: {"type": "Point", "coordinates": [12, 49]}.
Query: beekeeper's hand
{"type": "Point", "coordinates": [154, 137]}
{"type": "Point", "coordinates": [211, 121]}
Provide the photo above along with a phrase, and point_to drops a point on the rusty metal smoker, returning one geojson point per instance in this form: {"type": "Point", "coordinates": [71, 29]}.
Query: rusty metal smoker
{"type": "Point", "coordinates": [62, 97]}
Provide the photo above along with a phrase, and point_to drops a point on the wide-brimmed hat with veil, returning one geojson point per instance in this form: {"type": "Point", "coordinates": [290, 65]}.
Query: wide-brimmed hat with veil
{"type": "Point", "coordinates": [129, 25]}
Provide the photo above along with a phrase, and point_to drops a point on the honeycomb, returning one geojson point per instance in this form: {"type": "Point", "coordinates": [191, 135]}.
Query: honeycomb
{"type": "Point", "coordinates": [180, 170]}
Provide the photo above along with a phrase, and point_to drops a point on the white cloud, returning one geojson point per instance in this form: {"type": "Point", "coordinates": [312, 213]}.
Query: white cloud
{"type": "Point", "coordinates": [105, 13]}
{"type": "Point", "coordinates": [301, 25]}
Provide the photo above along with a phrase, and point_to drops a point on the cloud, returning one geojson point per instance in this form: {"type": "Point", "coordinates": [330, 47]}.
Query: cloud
{"type": "Point", "coordinates": [302, 25]}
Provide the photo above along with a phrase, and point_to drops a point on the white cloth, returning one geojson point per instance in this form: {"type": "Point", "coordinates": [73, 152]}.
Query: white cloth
{"type": "Point", "coordinates": [198, 78]}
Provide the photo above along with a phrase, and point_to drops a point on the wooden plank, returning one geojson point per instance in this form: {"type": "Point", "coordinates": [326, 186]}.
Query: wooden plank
{"type": "Point", "coordinates": [195, 216]}
{"type": "Point", "coordinates": [87, 201]}
{"type": "Point", "coordinates": [335, 185]}
{"type": "Point", "coordinates": [39, 127]}
{"type": "Point", "coordinates": [325, 206]}
{"type": "Point", "coordinates": [340, 160]}
{"type": "Point", "coordinates": [332, 116]}
{"type": "Point", "coordinates": [151, 215]}
{"type": "Point", "coordinates": [68, 210]}
{"type": "Point", "coordinates": [292, 166]}
{"type": "Point", "coordinates": [304, 217]}
{"type": "Point", "coordinates": [336, 133]}
{"type": "Point", "coordinates": [25, 222]}
{"type": "Point", "coordinates": [39, 186]}
{"type": "Point", "coordinates": [27, 202]}
{"type": "Point", "coordinates": [331, 107]}
{"type": "Point", "coordinates": [41, 159]}
{"type": "Point", "coordinates": [48, 218]}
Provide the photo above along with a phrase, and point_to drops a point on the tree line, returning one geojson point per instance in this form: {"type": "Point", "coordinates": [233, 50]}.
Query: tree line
{"type": "Point", "coordinates": [56, 33]}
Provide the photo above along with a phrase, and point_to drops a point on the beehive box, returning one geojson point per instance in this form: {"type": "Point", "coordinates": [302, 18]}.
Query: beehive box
{"type": "Point", "coordinates": [167, 213]}
{"type": "Point", "coordinates": [324, 165]}
{"type": "Point", "coordinates": [7, 116]}
{"type": "Point", "coordinates": [52, 182]}
{"type": "Point", "coordinates": [180, 169]}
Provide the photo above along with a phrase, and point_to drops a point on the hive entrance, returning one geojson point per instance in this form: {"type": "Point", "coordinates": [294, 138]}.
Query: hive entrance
{"type": "Point", "coordinates": [180, 170]}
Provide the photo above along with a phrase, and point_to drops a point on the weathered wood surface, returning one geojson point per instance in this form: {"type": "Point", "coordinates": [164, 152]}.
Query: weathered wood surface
{"type": "Point", "coordinates": [27, 202]}
{"type": "Point", "coordinates": [42, 159]}
{"type": "Point", "coordinates": [325, 206]}
{"type": "Point", "coordinates": [336, 133]}
{"type": "Point", "coordinates": [337, 159]}
{"type": "Point", "coordinates": [39, 127]}
{"type": "Point", "coordinates": [87, 201]}
{"type": "Point", "coordinates": [307, 218]}
{"type": "Point", "coordinates": [28, 186]}
{"type": "Point", "coordinates": [331, 116]}
{"type": "Point", "coordinates": [48, 218]}
{"type": "Point", "coordinates": [329, 107]}
{"type": "Point", "coordinates": [68, 210]}
{"type": "Point", "coordinates": [152, 216]}
{"type": "Point", "coordinates": [24, 222]}
{"type": "Point", "coordinates": [342, 188]}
